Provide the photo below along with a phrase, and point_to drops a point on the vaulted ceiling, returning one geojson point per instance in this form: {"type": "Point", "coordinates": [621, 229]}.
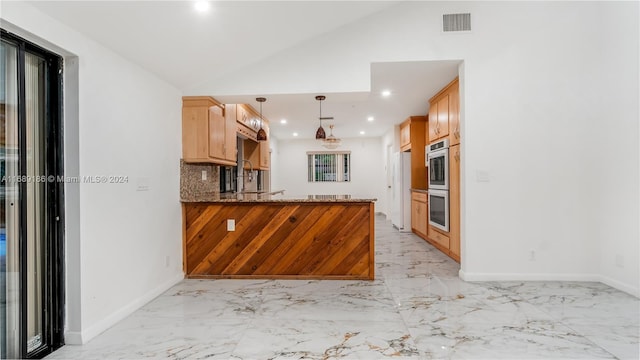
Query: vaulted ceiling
{"type": "Point", "coordinates": [193, 50]}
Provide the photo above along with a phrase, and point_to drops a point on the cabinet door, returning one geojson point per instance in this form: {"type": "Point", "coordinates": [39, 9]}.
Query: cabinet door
{"type": "Point", "coordinates": [241, 114]}
{"type": "Point", "coordinates": [405, 136]}
{"type": "Point", "coordinates": [264, 154]}
{"type": "Point", "coordinates": [454, 115]}
{"type": "Point", "coordinates": [216, 133]}
{"type": "Point", "coordinates": [195, 127]}
{"type": "Point", "coordinates": [433, 122]}
{"type": "Point", "coordinates": [419, 213]}
{"type": "Point", "coordinates": [421, 224]}
{"type": "Point", "coordinates": [454, 201]}
{"type": "Point", "coordinates": [415, 214]}
{"type": "Point", "coordinates": [443, 116]}
{"type": "Point", "coordinates": [230, 133]}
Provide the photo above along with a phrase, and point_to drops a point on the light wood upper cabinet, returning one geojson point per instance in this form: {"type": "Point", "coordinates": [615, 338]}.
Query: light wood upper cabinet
{"type": "Point", "coordinates": [432, 134]}
{"type": "Point", "coordinates": [444, 114]}
{"type": "Point", "coordinates": [419, 214]}
{"type": "Point", "coordinates": [195, 123]}
{"type": "Point", "coordinates": [454, 202]}
{"type": "Point", "coordinates": [412, 133]}
{"type": "Point", "coordinates": [258, 152]}
{"type": "Point", "coordinates": [205, 134]}
{"type": "Point", "coordinates": [454, 115]}
{"type": "Point", "coordinates": [414, 129]}
{"type": "Point", "coordinates": [217, 133]}
{"type": "Point", "coordinates": [264, 153]}
{"type": "Point", "coordinates": [248, 121]}
{"type": "Point", "coordinates": [231, 145]}
{"type": "Point", "coordinates": [241, 114]}
{"type": "Point", "coordinates": [405, 136]}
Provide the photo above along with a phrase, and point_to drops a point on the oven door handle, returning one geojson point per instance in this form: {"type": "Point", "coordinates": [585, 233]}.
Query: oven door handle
{"type": "Point", "coordinates": [438, 153]}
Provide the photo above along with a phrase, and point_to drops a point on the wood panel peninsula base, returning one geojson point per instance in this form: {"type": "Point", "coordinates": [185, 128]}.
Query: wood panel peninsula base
{"type": "Point", "coordinates": [305, 238]}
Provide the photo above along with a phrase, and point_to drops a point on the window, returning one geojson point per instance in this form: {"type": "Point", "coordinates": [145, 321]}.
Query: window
{"type": "Point", "coordinates": [329, 166]}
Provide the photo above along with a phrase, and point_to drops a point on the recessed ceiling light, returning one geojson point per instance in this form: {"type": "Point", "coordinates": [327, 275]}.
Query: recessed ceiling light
{"type": "Point", "coordinates": [283, 121]}
{"type": "Point", "coordinates": [295, 134]}
{"type": "Point", "coordinates": [370, 118]}
{"type": "Point", "coordinates": [361, 132]}
{"type": "Point", "coordinates": [201, 6]}
{"type": "Point", "coordinates": [386, 93]}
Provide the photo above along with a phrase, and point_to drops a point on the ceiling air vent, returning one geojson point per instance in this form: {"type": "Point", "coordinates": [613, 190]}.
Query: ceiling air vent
{"type": "Point", "coordinates": [456, 22]}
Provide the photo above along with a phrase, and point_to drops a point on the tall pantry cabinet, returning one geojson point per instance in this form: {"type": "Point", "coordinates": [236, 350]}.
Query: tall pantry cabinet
{"type": "Point", "coordinates": [444, 123]}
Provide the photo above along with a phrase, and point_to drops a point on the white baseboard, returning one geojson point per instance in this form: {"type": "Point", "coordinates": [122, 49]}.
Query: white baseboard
{"type": "Point", "coordinates": [466, 276]}
{"type": "Point", "coordinates": [72, 338]}
{"type": "Point", "coordinates": [79, 338]}
{"type": "Point", "coordinates": [635, 291]}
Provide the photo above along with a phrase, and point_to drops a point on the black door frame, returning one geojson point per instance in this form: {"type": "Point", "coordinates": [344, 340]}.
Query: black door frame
{"type": "Point", "coordinates": [53, 250]}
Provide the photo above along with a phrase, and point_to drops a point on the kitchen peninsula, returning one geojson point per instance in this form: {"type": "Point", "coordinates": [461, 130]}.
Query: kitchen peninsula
{"type": "Point", "coordinates": [274, 236]}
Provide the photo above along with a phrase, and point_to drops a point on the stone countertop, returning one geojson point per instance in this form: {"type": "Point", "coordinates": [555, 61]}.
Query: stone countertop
{"type": "Point", "coordinates": [274, 196]}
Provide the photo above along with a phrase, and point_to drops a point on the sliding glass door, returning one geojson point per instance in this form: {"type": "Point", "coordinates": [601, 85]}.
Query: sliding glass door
{"type": "Point", "coordinates": [10, 205]}
{"type": "Point", "coordinates": [31, 231]}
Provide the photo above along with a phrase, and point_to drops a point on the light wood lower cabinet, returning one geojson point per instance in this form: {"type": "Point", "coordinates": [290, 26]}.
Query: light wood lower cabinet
{"type": "Point", "coordinates": [439, 238]}
{"type": "Point", "coordinates": [419, 214]}
{"type": "Point", "coordinates": [449, 242]}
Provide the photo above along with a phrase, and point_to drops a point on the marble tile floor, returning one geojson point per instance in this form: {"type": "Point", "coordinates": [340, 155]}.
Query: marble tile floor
{"type": "Point", "coordinates": [417, 308]}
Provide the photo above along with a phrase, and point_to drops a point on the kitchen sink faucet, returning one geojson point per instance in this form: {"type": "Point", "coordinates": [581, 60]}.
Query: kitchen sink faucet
{"type": "Point", "coordinates": [250, 169]}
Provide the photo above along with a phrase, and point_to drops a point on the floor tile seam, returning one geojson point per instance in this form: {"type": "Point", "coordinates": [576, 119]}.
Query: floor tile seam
{"type": "Point", "coordinates": [579, 333]}
{"type": "Point", "coordinates": [404, 321]}
{"type": "Point", "coordinates": [336, 321]}
{"type": "Point", "coordinates": [559, 321]}
{"type": "Point", "coordinates": [538, 307]}
{"type": "Point", "coordinates": [241, 337]}
{"type": "Point", "coordinates": [584, 338]}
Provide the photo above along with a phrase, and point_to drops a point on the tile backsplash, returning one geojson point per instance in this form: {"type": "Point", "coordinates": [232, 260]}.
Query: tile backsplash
{"type": "Point", "coordinates": [192, 184]}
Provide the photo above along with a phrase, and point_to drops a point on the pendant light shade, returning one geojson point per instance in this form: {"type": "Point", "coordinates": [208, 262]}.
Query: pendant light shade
{"type": "Point", "coordinates": [261, 135]}
{"type": "Point", "coordinates": [320, 134]}
{"type": "Point", "coordinates": [331, 142]}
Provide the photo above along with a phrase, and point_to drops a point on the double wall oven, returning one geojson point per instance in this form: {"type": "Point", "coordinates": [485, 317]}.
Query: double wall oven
{"type": "Point", "coordinates": [437, 155]}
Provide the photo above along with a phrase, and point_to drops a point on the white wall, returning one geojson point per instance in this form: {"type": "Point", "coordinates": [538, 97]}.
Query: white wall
{"type": "Point", "coordinates": [367, 170]}
{"type": "Point", "coordinates": [119, 120]}
{"type": "Point", "coordinates": [616, 205]}
{"type": "Point", "coordinates": [275, 161]}
{"type": "Point", "coordinates": [538, 100]}
{"type": "Point", "coordinates": [390, 144]}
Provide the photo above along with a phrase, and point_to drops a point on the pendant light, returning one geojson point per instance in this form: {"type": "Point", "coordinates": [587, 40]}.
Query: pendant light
{"type": "Point", "coordinates": [320, 134]}
{"type": "Point", "coordinates": [331, 142]}
{"type": "Point", "coordinates": [261, 135]}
